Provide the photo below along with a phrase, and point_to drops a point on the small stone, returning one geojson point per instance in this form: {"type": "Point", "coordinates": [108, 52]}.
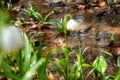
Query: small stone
{"type": "Point", "coordinates": [103, 35]}
{"type": "Point", "coordinates": [103, 43]}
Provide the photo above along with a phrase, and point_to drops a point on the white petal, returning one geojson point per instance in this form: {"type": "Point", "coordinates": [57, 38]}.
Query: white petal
{"type": "Point", "coordinates": [12, 39]}
{"type": "Point", "coordinates": [5, 39]}
{"type": "Point", "coordinates": [72, 25]}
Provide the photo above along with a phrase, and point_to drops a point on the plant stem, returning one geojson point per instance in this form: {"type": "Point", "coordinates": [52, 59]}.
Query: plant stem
{"type": "Point", "coordinates": [19, 61]}
{"type": "Point", "coordinates": [103, 77]}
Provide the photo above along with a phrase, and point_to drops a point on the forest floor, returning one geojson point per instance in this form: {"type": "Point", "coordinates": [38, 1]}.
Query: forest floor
{"type": "Point", "coordinates": [98, 20]}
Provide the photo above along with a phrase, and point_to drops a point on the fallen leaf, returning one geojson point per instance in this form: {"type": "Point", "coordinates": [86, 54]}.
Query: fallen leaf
{"type": "Point", "coordinates": [102, 4]}
{"type": "Point", "coordinates": [81, 7]}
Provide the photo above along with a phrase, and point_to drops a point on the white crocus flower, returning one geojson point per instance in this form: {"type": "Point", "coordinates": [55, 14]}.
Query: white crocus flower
{"type": "Point", "coordinates": [72, 25]}
{"type": "Point", "coordinates": [11, 39]}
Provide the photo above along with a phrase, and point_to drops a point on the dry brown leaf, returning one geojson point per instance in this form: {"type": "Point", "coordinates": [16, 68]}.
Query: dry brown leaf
{"type": "Point", "coordinates": [81, 7]}
{"type": "Point", "coordinates": [102, 4]}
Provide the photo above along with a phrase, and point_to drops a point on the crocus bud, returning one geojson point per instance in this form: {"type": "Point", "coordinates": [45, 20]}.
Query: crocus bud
{"type": "Point", "coordinates": [11, 39]}
{"type": "Point", "coordinates": [72, 25]}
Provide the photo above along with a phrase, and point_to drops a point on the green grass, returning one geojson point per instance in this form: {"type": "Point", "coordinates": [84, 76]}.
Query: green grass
{"type": "Point", "coordinates": [31, 64]}
{"type": "Point", "coordinates": [27, 63]}
{"type": "Point", "coordinates": [36, 15]}
{"type": "Point", "coordinates": [62, 66]}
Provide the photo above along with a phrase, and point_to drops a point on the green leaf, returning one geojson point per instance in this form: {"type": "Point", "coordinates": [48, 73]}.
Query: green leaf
{"type": "Point", "coordinates": [92, 70]}
{"type": "Point", "coordinates": [117, 75]}
{"type": "Point", "coordinates": [27, 53]}
{"type": "Point", "coordinates": [46, 17]}
{"type": "Point", "coordinates": [66, 17]}
{"type": "Point", "coordinates": [58, 69]}
{"type": "Point", "coordinates": [5, 18]}
{"type": "Point", "coordinates": [108, 2]}
{"type": "Point", "coordinates": [106, 52]}
{"type": "Point", "coordinates": [39, 17]}
{"type": "Point", "coordinates": [62, 64]}
{"type": "Point", "coordinates": [7, 70]}
{"type": "Point", "coordinates": [29, 73]}
{"type": "Point", "coordinates": [112, 38]}
{"type": "Point", "coordinates": [118, 62]}
{"type": "Point", "coordinates": [86, 65]}
{"type": "Point", "coordinates": [100, 65]}
{"type": "Point", "coordinates": [19, 63]}
{"type": "Point", "coordinates": [42, 69]}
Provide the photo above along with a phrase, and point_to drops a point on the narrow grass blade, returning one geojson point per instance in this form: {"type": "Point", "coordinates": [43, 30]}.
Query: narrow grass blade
{"type": "Point", "coordinates": [42, 69]}
{"type": "Point", "coordinates": [30, 72]}
{"type": "Point", "coordinates": [27, 53]}
{"type": "Point", "coordinates": [7, 70]}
